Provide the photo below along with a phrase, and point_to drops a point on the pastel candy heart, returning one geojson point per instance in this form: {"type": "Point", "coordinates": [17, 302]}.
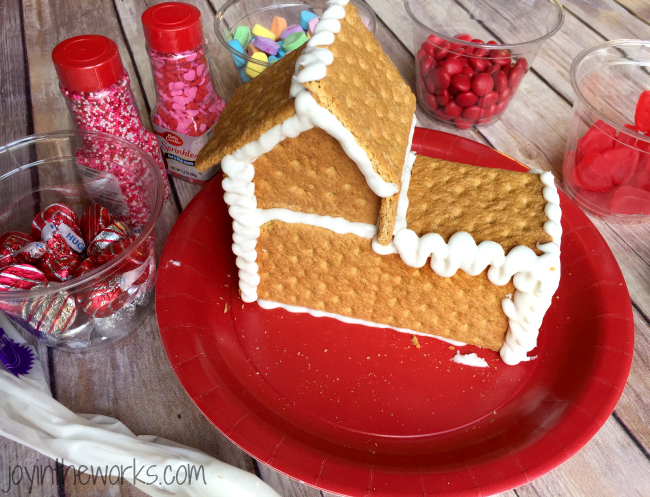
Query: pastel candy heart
{"type": "Point", "coordinates": [312, 25]}
{"type": "Point", "coordinates": [245, 78]}
{"type": "Point", "coordinates": [252, 49]}
{"type": "Point", "coordinates": [294, 28]}
{"type": "Point", "coordinates": [243, 36]}
{"type": "Point", "coordinates": [278, 25]}
{"type": "Point", "coordinates": [305, 17]}
{"type": "Point", "coordinates": [273, 59]}
{"type": "Point", "coordinates": [253, 69]}
{"type": "Point", "coordinates": [259, 30]}
{"type": "Point", "coordinates": [294, 40]}
{"type": "Point", "coordinates": [267, 45]}
{"type": "Point", "coordinates": [239, 62]}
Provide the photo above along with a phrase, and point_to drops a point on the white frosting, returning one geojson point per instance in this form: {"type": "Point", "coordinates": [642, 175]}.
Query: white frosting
{"type": "Point", "coordinates": [312, 66]}
{"type": "Point", "coordinates": [267, 304]}
{"type": "Point", "coordinates": [470, 360]}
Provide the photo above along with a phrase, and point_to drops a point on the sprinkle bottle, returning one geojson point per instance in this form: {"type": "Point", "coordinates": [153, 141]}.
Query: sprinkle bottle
{"type": "Point", "coordinates": [187, 106]}
{"type": "Point", "coordinates": [98, 92]}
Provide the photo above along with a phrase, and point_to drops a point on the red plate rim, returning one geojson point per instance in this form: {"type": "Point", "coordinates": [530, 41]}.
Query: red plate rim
{"type": "Point", "coordinates": [578, 425]}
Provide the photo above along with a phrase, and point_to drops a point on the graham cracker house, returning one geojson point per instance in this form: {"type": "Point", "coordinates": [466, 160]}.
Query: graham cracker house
{"type": "Point", "coordinates": [333, 215]}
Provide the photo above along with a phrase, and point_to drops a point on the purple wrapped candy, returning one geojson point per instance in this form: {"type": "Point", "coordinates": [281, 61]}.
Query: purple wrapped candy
{"type": "Point", "coordinates": [294, 28]}
{"type": "Point", "coordinates": [266, 45]}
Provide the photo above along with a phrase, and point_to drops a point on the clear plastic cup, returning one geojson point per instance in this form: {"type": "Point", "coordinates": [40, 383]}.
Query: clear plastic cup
{"type": "Point", "coordinates": [494, 43]}
{"type": "Point", "coordinates": [606, 165]}
{"type": "Point", "coordinates": [80, 168]}
{"type": "Point", "coordinates": [236, 13]}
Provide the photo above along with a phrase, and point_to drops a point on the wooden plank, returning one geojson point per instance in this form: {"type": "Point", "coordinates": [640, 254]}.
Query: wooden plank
{"type": "Point", "coordinates": [638, 8]}
{"type": "Point", "coordinates": [131, 380]}
{"type": "Point", "coordinates": [609, 18]}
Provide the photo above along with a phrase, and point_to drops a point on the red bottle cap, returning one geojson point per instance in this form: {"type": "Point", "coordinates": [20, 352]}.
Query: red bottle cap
{"type": "Point", "coordinates": [87, 63]}
{"type": "Point", "coordinates": [173, 27]}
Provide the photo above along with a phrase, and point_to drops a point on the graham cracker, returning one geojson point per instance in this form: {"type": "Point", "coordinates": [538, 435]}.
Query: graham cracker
{"type": "Point", "coordinates": [312, 173]}
{"type": "Point", "coordinates": [254, 109]}
{"type": "Point", "coordinates": [366, 93]}
{"type": "Point", "coordinates": [506, 207]}
{"type": "Point", "coordinates": [315, 268]}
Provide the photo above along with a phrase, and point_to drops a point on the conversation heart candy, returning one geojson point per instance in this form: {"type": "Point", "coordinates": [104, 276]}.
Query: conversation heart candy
{"type": "Point", "coordinates": [259, 30]}
{"type": "Point", "coordinates": [278, 25]}
{"type": "Point", "coordinates": [266, 45]}
{"type": "Point", "coordinates": [243, 36]}
{"type": "Point", "coordinates": [305, 17]}
{"type": "Point", "coordinates": [239, 62]}
{"type": "Point", "coordinates": [294, 28]}
{"type": "Point", "coordinates": [254, 69]}
{"type": "Point", "coordinates": [294, 40]}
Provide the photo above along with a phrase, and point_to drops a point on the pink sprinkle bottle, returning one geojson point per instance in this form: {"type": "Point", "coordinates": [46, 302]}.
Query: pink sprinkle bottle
{"type": "Point", "coordinates": [187, 106]}
{"type": "Point", "coordinates": [98, 92]}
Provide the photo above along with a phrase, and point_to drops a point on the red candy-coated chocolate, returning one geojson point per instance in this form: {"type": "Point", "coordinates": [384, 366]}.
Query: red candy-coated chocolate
{"type": "Point", "coordinates": [452, 66]}
{"type": "Point", "coordinates": [440, 78]}
{"type": "Point", "coordinates": [426, 65]}
{"type": "Point", "coordinates": [472, 113]}
{"type": "Point", "coordinates": [442, 97]}
{"type": "Point", "coordinates": [10, 242]}
{"type": "Point", "coordinates": [452, 109]}
{"type": "Point", "coordinates": [462, 123]}
{"type": "Point", "coordinates": [482, 84]}
{"type": "Point", "coordinates": [461, 83]}
{"type": "Point", "coordinates": [464, 36]}
{"type": "Point", "coordinates": [500, 81]}
{"type": "Point", "coordinates": [21, 277]}
{"type": "Point", "coordinates": [515, 76]}
{"type": "Point", "coordinates": [440, 114]}
{"type": "Point", "coordinates": [487, 100]}
{"type": "Point", "coordinates": [479, 65]}
{"type": "Point", "coordinates": [468, 71]}
{"type": "Point", "coordinates": [466, 99]}
{"type": "Point", "coordinates": [430, 101]}
{"type": "Point", "coordinates": [94, 220]}
{"type": "Point", "coordinates": [642, 114]}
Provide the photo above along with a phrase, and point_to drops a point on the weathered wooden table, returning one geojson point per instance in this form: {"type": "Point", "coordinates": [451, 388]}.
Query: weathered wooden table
{"type": "Point", "coordinates": [133, 380]}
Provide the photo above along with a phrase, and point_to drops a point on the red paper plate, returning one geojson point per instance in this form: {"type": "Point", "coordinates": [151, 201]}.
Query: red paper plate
{"type": "Point", "coordinates": [361, 411]}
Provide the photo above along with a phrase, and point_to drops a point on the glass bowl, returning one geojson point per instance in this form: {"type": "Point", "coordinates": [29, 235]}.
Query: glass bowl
{"type": "Point", "coordinates": [236, 13]}
{"type": "Point", "coordinates": [606, 165]}
{"type": "Point", "coordinates": [493, 42]}
{"type": "Point", "coordinates": [80, 168]}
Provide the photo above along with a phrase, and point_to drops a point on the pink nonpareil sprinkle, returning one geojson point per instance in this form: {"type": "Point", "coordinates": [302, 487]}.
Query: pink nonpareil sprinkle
{"type": "Point", "coordinates": [112, 110]}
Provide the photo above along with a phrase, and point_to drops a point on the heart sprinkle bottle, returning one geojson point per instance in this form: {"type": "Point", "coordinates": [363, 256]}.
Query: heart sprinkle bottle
{"type": "Point", "coordinates": [98, 92]}
{"type": "Point", "coordinates": [187, 106]}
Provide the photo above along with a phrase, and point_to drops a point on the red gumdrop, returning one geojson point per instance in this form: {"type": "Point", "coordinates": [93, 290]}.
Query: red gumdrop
{"type": "Point", "coordinates": [430, 101]}
{"type": "Point", "coordinates": [593, 173]}
{"type": "Point", "coordinates": [624, 139]}
{"type": "Point", "coordinates": [462, 123]}
{"type": "Point", "coordinates": [622, 163]}
{"type": "Point", "coordinates": [466, 98]}
{"type": "Point", "coordinates": [642, 114]}
{"type": "Point", "coordinates": [500, 107]}
{"type": "Point", "coordinates": [452, 66]}
{"type": "Point", "coordinates": [515, 77]}
{"type": "Point", "coordinates": [523, 63]}
{"type": "Point", "coordinates": [643, 181]}
{"type": "Point", "coordinates": [472, 113]}
{"type": "Point", "coordinates": [463, 36]}
{"type": "Point", "coordinates": [461, 82]}
{"type": "Point", "coordinates": [598, 138]}
{"type": "Point", "coordinates": [500, 81]}
{"type": "Point", "coordinates": [629, 200]}
{"type": "Point", "coordinates": [482, 84]}
{"type": "Point", "coordinates": [479, 65]}
{"type": "Point", "coordinates": [440, 114]}
{"type": "Point", "coordinates": [468, 71]}
{"type": "Point", "coordinates": [504, 95]}
{"type": "Point", "coordinates": [452, 109]}
{"type": "Point", "coordinates": [487, 100]}
{"type": "Point", "coordinates": [442, 97]}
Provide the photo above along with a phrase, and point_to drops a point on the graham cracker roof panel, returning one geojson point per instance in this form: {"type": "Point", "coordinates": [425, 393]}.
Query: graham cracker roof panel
{"type": "Point", "coordinates": [254, 109]}
{"type": "Point", "coordinates": [366, 93]}
{"type": "Point", "coordinates": [506, 207]}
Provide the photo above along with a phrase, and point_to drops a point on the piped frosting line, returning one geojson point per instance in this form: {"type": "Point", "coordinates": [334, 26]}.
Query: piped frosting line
{"type": "Point", "coordinates": [267, 304]}
{"type": "Point", "coordinates": [312, 66]}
